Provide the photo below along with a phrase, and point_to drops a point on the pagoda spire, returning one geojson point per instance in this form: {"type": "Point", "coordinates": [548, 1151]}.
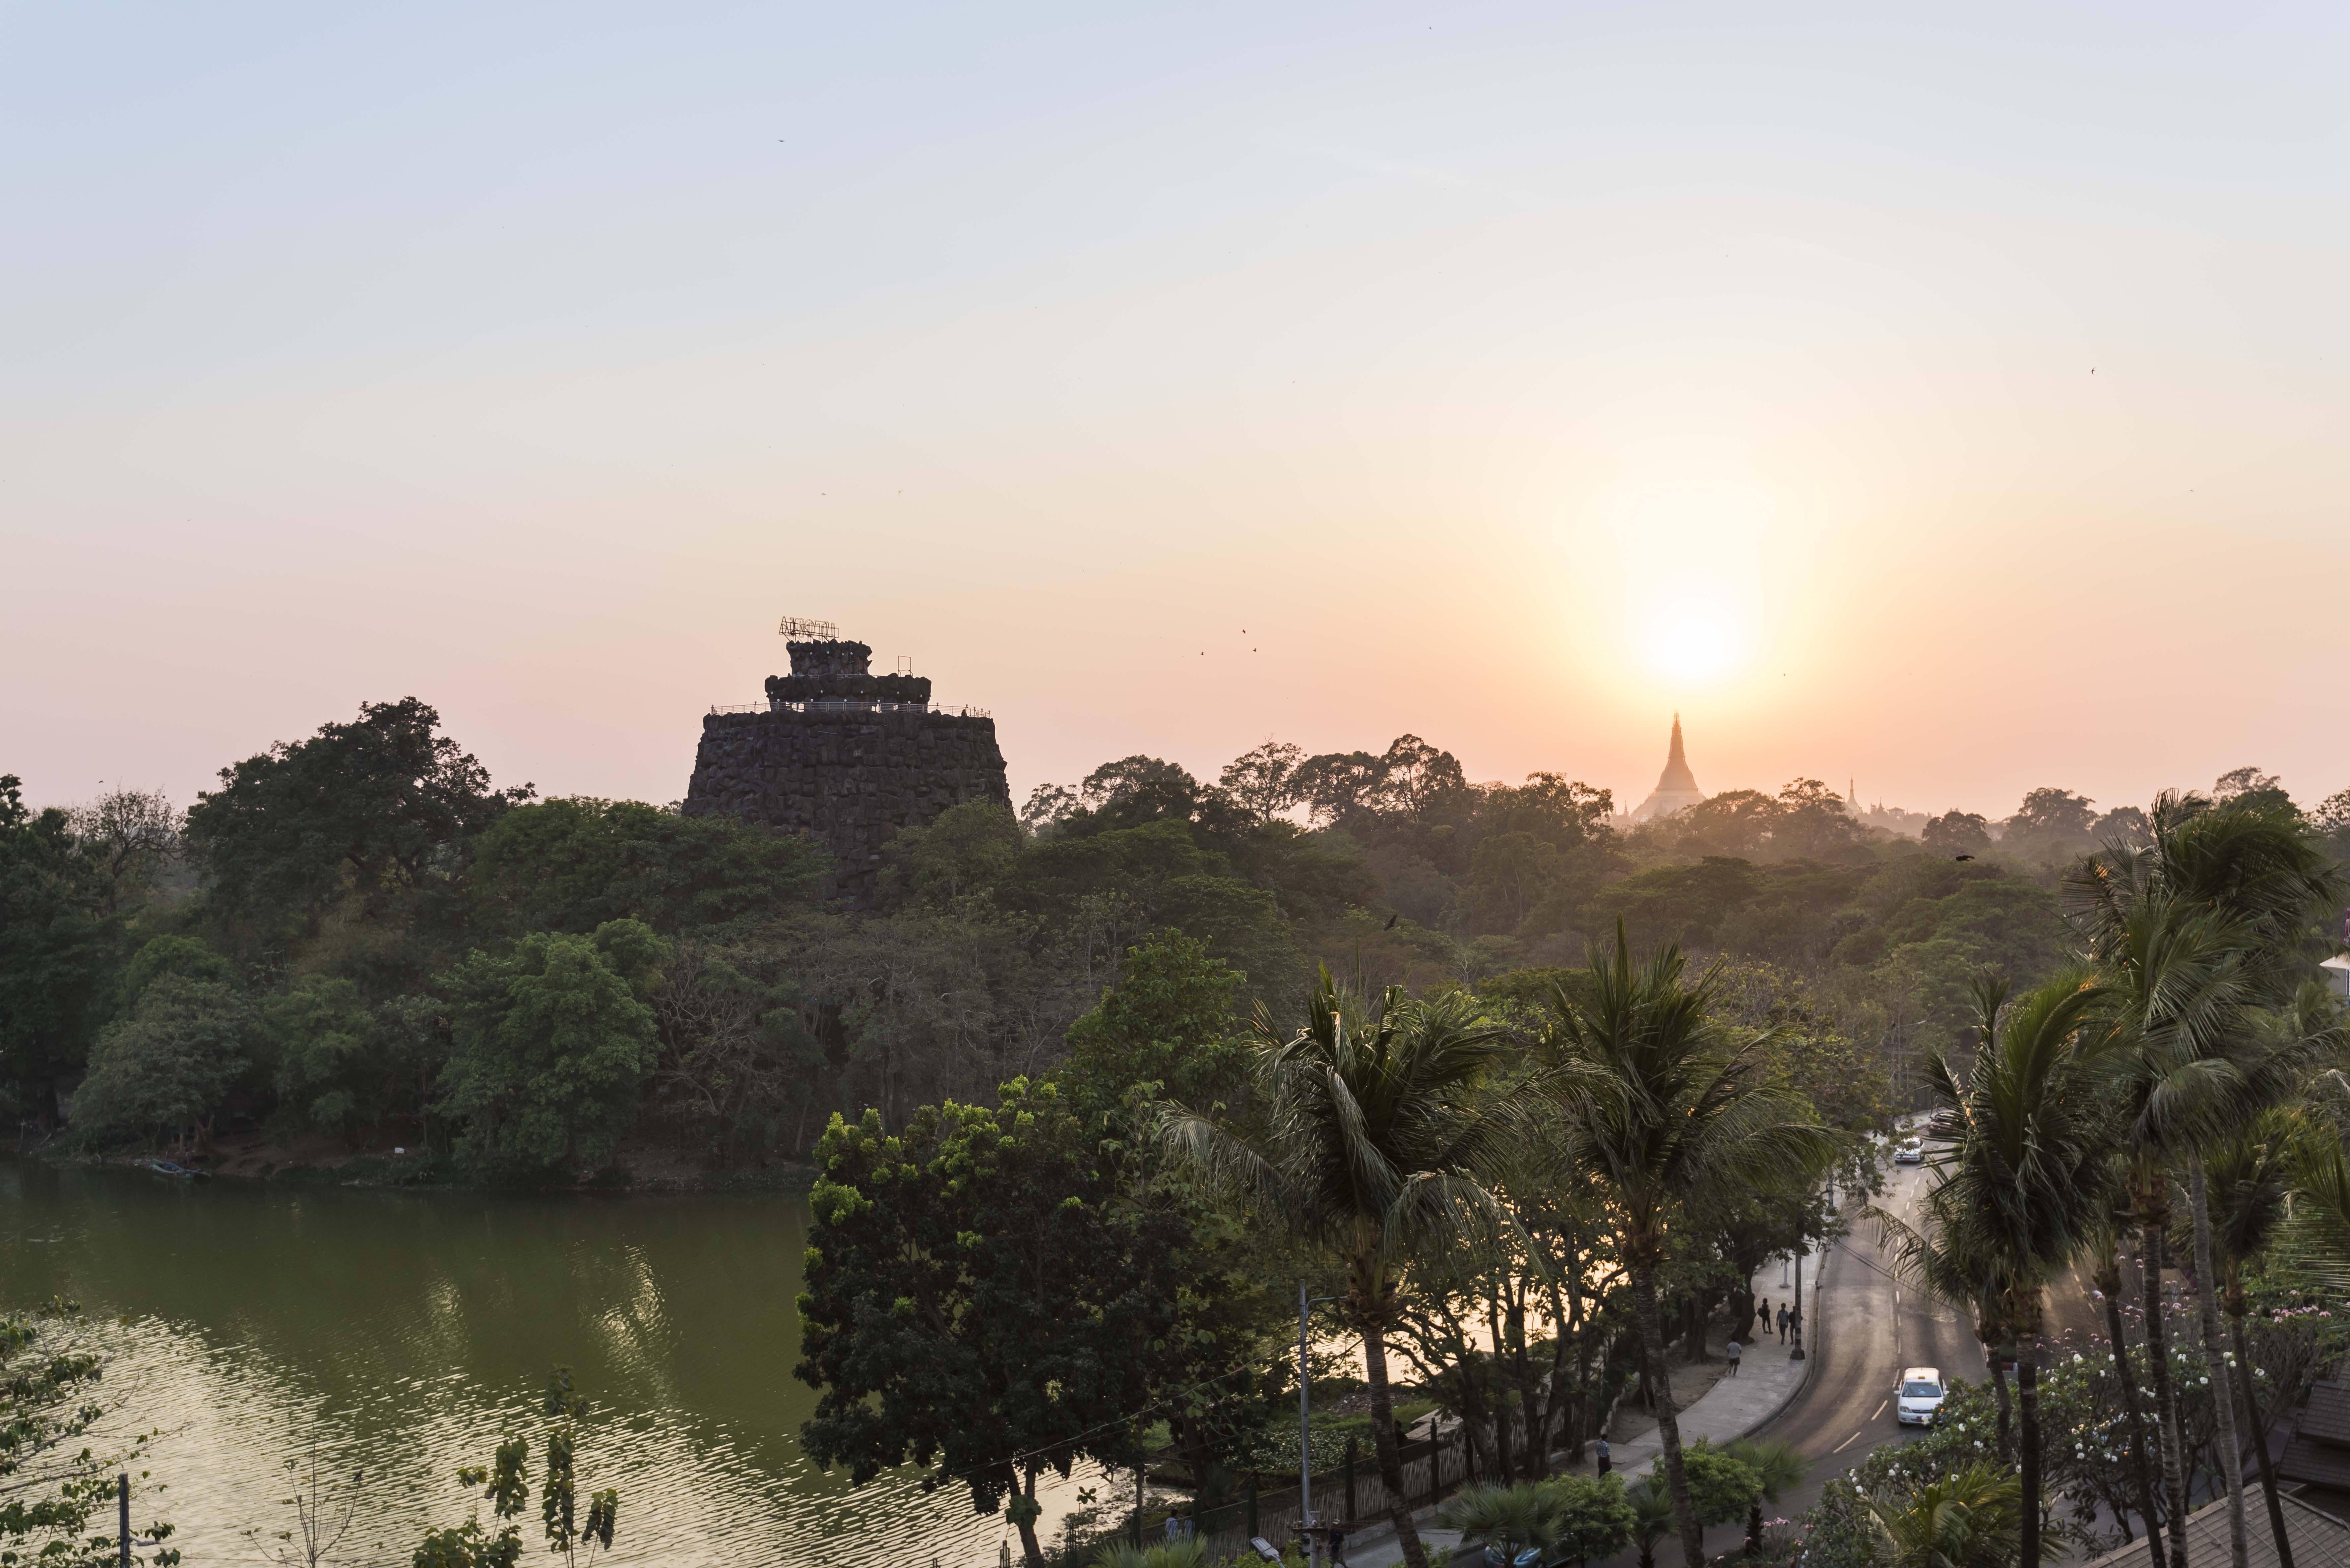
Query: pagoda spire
{"type": "Point", "coordinates": [1677, 779]}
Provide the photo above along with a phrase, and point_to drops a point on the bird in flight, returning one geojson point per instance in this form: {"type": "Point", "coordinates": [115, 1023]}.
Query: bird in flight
{"type": "Point", "coordinates": [1962, 858]}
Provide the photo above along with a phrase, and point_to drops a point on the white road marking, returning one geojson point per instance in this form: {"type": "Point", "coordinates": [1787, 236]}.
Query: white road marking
{"type": "Point", "coordinates": [1872, 1415]}
{"type": "Point", "coordinates": [1845, 1444]}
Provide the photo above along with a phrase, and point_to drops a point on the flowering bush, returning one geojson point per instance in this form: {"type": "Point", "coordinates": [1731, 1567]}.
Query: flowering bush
{"type": "Point", "coordinates": [2086, 1453]}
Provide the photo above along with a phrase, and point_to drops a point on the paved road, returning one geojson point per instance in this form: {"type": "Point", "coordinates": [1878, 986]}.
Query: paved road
{"type": "Point", "coordinates": [1872, 1326]}
{"type": "Point", "coordinates": [1867, 1327]}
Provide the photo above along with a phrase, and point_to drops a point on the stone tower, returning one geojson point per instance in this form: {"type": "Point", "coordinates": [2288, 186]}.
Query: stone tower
{"type": "Point", "coordinates": [1676, 787]}
{"type": "Point", "coordinates": [846, 755]}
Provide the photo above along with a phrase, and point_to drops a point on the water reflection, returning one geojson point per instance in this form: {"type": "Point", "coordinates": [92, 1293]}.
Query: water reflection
{"type": "Point", "coordinates": [401, 1332]}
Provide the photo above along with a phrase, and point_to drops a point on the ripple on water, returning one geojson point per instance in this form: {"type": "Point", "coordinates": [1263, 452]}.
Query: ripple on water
{"type": "Point", "coordinates": [400, 1334]}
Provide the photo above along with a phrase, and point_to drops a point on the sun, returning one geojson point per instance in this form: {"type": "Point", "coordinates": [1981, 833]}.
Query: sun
{"type": "Point", "coordinates": [1688, 646]}
{"type": "Point", "coordinates": [1694, 635]}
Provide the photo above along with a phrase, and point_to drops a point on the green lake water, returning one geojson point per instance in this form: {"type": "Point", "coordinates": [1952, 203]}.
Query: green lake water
{"type": "Point", "coordinates": [401, 1332]}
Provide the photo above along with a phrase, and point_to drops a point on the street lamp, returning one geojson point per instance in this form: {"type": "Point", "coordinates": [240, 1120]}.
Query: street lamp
{"type": "Point", "coordinates": [1797, 1354]}
{"type": "Point", "coordinates": [1305, 1432]}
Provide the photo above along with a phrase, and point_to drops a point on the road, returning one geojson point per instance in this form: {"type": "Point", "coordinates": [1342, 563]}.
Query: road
{"type": "Point", "coordinates": [1871, 1327]}
{"type": "Point", "coordinates": [1867, 1327]}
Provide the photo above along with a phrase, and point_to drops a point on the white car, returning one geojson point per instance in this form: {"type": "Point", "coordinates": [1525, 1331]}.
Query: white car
{"type": "Point", "coordinates": [1910, 1153]}
{"type": "Point", "coordinates": [1920, 1400]}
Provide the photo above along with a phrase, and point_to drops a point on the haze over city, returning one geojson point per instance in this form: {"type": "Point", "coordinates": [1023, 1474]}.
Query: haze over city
{"type": "Point", "coordinates": [1174, 786]}
{"type": "Point", "coordinates": [1900, 400]}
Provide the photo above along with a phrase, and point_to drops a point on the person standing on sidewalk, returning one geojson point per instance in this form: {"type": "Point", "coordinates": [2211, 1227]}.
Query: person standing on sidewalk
{"type": "Point", "coordinates": [1782, 1324]}
{"type": "Point", "coordinates": [1605, 1459]}
{"type": "Point", "coordinates": [1762, 1311]}
{"type": "Point", "coordinates": [1733, 1353]}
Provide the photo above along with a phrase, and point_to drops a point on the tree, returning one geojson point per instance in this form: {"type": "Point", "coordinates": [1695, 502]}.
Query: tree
{"type": "Point", "coordinates": [2250, 786]}
{"type": "Point", "coordinates": [551, 1045]}
{"type": "Point", "coordinates": [1511, 875]}
{"type": "Point", "coordinates": [2024, 1188]}
{"type": "Point", "coordinates": [2126, 826]}
{"type": "Point", "coordinates": [1570, 1518]}
{"type": "Point", "coordinates": [965, 850]}
{"type": "Point", "coordinates": [1262, 781]}
{"type": "Point", "coordinates": [1653, 1513]}
{"type": "Point", "coordinates": [1957, 833]}
{"type": "Point", "coordinates": [2248, 1180]}
{"type": "Point", "coordinates": [1138, 789]}
{"type": "Point", "coordinates": [1376, 1128]}
{"type": "Point", "coordinates": [170, 1064]}
{"type": "Point", "coordinates": [1508, 1519]}
{"type": "Point", "coordinates": [1737, 822]}
{"type": "Point", "coordinates": [971, 1301]}
{"type": "Point", "coordinates": [734, 1047]}
{"type": "Point", "coordinates": [1339, 787]}
{"type": "Point", "coordinates": [339, 1062]}
{"type": "Point", "coordinates": [1721, 1486]}
{"type": "Point", "coordinates": [57, 952]}
{"type": "Point", "coordinates": [365, 807]}
{"type": "Point", "coordinates": [571, 865]}
{"type": "Point", "coordinates": [1169, 1024]}
{"type": "Point", "coordinates": [1966, 1520]}
{"type": "Point", "coordinates": [1551, 808]}
{"type": "Point", "coordinates": [1048, 806]}
{"type": "Point", "coordinates": [505, 1486]}
{"type": "Point", "coordinates": [2109, 1278]}
{"type": "Point", "coordinates": [1778, 1470]}
{"type": "Point", "coordinates": [1595, 1519]}
{"type": "Point", "coordinates": [129, 836]}
{"type": "Point", "coordinates": [1812, 820]}
{"type": "Point", "coordinates": [184, 958]}
{"type": "Point", "coordinates": [2199, 931]}
{"type": "Point", "coordinates": [1664, 1105]}
{"type": "Point", "coordinates": [53, 1406]}
{"type": "Point", "coordinates": [2049, 817]}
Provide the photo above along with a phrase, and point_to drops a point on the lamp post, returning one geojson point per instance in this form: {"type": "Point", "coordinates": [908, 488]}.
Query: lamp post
{"type": "Point", "coordinates": [1304, 1430]}
{"type": "Point", "coordinates": [1797, 1354]}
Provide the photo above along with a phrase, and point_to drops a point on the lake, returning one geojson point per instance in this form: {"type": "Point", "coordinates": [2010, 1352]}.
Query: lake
{"type": "Point", "coordinates": [400, 1332]}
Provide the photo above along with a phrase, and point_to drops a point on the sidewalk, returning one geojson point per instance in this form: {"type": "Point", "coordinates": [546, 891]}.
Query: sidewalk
{"type": "Point", "coordinates": [1734, 1406]}
{"type": "Point", "coordinates": [1767, 1379]}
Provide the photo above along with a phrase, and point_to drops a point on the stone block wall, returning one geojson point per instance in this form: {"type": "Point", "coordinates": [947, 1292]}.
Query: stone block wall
{"type": "Point", "coordinates": [852, 779]}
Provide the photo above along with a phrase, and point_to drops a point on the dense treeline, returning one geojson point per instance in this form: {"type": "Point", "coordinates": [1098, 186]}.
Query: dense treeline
{"type": "Point", "coordinates": [1515, 1215]}
{"type": "Point", "coordinates": [359, 938]}
{"type": "Point", "coordinates": [1523, 1192]}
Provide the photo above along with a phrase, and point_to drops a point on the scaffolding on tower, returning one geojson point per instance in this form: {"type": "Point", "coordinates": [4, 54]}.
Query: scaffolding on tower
{"type": "Point", "coordinates": [800, 626]}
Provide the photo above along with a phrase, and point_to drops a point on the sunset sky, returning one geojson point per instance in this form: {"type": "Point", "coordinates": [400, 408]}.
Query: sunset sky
{"type": "Point", "coordinates": [1956, 407]}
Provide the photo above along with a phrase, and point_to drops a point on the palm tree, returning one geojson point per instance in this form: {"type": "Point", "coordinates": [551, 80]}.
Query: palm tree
{"type": "Point", "coordinates": [1375, 1126]}
{"type": "Point", "coordinates": [1778, 1467]}
{"type": "Point", "coordinates": [1511, 1518]}
{"type": "Point", "coordinates": [2020, 1193]}
{"type": "Point", "coordinates": [1664, 1105]}
{"type": "Point", "coordinates": [2108, 1275]}
{"type": "Point", "coordinates": [2204, 927]}
{"type": "Point", "coordinates": [2168, 971]}
{"type": "Point", "coordinates": [1652, 1509]}
{"type": "Point", "coordinates": [2249, 1184]}
{"type": "Point", "coordinates": [1968, 1519]}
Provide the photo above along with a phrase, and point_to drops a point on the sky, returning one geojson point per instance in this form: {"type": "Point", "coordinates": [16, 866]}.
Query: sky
{"type": "Point", "coordinates": [1952, 405]}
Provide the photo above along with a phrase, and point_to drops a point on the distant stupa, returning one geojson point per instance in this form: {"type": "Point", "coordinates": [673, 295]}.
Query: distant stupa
{"type": "Point", "coordinates": [1676, 787]}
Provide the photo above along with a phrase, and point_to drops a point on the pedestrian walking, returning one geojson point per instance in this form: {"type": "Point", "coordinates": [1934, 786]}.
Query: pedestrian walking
{"type": "Point", "coordinates": [1733, 1358]}
{"type": "Point", "coordinates": [1762, 1311]}
{"type": "Point", "coordinates": [1782, 1325]}
{"type": "Point", "coordinates": [1605, 1459]}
